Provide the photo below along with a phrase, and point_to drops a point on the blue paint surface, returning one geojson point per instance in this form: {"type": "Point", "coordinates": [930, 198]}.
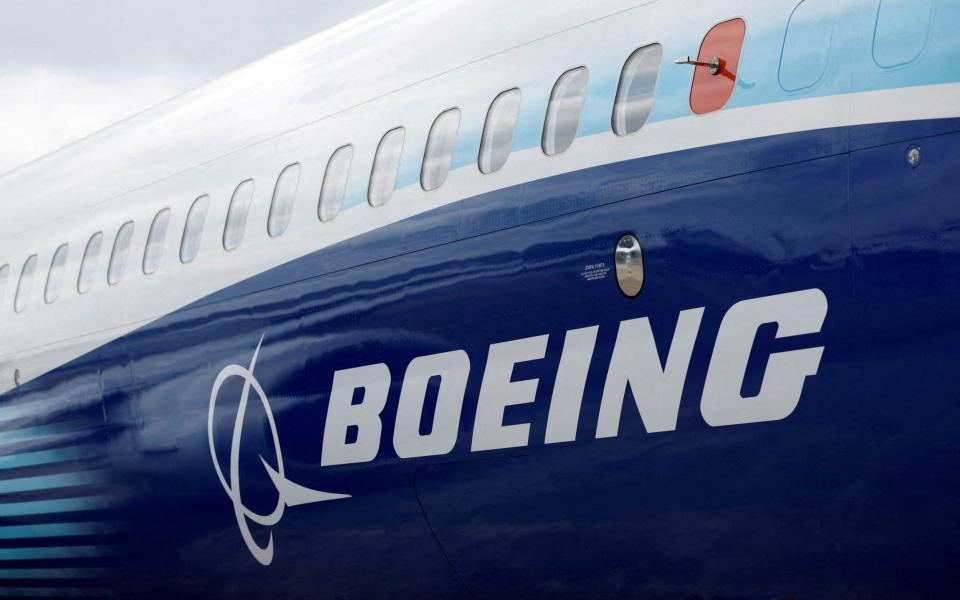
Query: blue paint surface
{"type": "Point", "coordinates": [855, 494]}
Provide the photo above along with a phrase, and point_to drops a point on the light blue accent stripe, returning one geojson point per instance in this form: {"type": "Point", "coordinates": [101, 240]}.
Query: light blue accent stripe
{"type": "Point", "coordinates": [49, 482]}
{"type": "Point", "coordinates": [53, 592]}
{"type": "Point", "coordinates": [53, 552]}
{"type": "Point", "coordinates": [70, 573]}
{"type": "Point", "coordinates": [46, 457]}
{"type": "Point", "coordinates": [44, 530]}
{"type": "Point", "coordinates": [43, 408]}
{"type": "Point", "coordinates": [61, 505]}
{"type": "Point", "coordinates": [850, 69]}
{"type": "Point", "coordinates": [39, 432]}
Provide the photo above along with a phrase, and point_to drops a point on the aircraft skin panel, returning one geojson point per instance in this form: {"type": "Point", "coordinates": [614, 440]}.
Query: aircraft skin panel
{"type": "Point", "coordinates": [822, 106]}
{"type": "Point", "coordinates": [80, 323]}
{"type": "Point", "coordinates": [302, 88]}
{"type": "Point", "coordinates": [449, 395]}
{"type": "Point", "coordinates": [805, 478]}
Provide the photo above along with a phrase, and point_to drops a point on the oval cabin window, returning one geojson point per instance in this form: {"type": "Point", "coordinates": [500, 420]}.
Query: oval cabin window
{"type": "Point", "coordinates": [121, 250]}
{"type": "Point", "coordinates": [236, 224]}
{"type": "Point", "coordinates": [335, 180]}
{"type": "Point", "coordinates": [25, 285]}
{"type": "Point", "coordinates": [497, 142]}
{"type": "Point", "coordinates": [51, 290]}
{"type": "Point", "coordinates": [156, 240]}
{"type": "Point", "coordinates": [284, 195]}
{"type": "Point", "coordinates": [386, 165]}
{"type": "Point", "coordinates": [563, 112]}
{"type": "Point", "coordinates": [88, 267]}
{"type": "Point", "coordinates": [638, 83]}
{"type": "Point", "coordinates": [439, 153]}
{"type": "Point", "coordinates": [193, 229]}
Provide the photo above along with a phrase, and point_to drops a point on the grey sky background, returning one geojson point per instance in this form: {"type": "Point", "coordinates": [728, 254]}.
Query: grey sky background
{"type": "Point", "coordinates": [71, 67]}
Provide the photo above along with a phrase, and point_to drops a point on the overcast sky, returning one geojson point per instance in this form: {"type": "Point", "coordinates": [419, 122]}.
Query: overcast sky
{"type": "Point", "coordinates": [71, 67]}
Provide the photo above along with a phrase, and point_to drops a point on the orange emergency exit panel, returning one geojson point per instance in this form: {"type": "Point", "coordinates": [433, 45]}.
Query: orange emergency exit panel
{"type": "Point", "coordinates": [724, 42]}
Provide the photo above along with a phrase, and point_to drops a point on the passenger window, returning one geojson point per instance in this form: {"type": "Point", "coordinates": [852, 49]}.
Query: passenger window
{"type": "Point", "coordinates": [386, 164]}
{"type": "Point", "coordinates": [335, 183]}
{"type": "Point", "coordinates": [563, 113]}
{"type": "Point", "coordinates": [118, 258]}
{"type": "Point", "coordinates": [155, 242]}
{"type": "Point", "coordinates": [439, 153]}
{"type": "Point", "coordinates": [193, 230]}
{"type": "Point", "coordinates": [284, 194]}
{"type": "Point", "coordinates": [638, 82]}
{"type": "Point", "coordinates": [497, 141]}
{"type": "Point", "coordinates": [55, 276]}
{"type": "Point", "coordinates": [25, 286]}
{"type": "Point", "coordinates": [88, 268]}
{"type": "Point", "coordinates": [4, 275]}
{"type": "Point", "coordinates": [236, 224]}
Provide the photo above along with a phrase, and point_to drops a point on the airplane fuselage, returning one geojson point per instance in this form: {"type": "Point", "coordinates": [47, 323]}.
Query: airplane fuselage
{"type": "Point", "coordinates": [474, 301]}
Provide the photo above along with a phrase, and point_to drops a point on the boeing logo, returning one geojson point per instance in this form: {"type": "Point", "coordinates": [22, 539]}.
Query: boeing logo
{"type": "Point", "coordinates": [289, 493]}
{"type": "Point", "coordinates": [655, 384]}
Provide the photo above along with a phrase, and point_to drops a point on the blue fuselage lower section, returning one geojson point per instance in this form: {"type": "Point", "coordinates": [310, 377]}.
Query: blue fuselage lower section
{"type": "Point", "coordinates": [855, 494]}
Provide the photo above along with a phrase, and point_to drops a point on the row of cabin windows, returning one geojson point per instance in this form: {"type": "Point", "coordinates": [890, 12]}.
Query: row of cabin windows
{"type": "Point", "coordinates": [632, 107]}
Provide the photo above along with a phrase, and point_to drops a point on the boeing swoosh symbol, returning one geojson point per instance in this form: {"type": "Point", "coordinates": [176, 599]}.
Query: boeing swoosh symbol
{"type": "Point", "coordinates": [289, 494]}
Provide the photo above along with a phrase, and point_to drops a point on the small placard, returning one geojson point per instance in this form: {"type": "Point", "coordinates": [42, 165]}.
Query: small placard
{"type": "Point", "coordinates": [595, 272]}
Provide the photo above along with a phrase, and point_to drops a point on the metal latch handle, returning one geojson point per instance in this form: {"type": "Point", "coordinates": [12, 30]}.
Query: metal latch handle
{"type": "Point", "coordinates": [714, 64]}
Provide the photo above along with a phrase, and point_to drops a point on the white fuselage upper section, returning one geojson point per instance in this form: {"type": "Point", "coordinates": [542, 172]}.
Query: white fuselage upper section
{"type": "Point", "coordinates": [400, 65]}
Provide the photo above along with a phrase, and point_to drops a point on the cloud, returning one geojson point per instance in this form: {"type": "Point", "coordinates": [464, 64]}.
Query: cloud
{"type": "Point", "coordinates": [112, 38]}
{"type": "Point", "coordinates": [69, 69]}
{"type": "Point", "coordinates": [44, 109]}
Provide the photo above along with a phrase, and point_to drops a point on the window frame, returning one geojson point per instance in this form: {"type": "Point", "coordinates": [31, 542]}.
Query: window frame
{"type": "Point", "coordinates": [48, 297]}
{"type": "Point", "coordinates": [440, 149]}
{"type": "Point", "coordinates": [283, 225]}
{"type": "Point", "coordinates": [193, 225]}
{"type": "Point", "coordinates": [152, 233]}
{"type": "Point", "coordinates": [549, 142]}
{"type": "Point", "coordinates": [338, 187]}
{"type": "Point", "coordinates": [620, 120]}
{"type": "Point", "coordinates": [88, 262]}
{"type": "Point", "coordinates": [392, 173]}
{"type": "Point", "coordinates": [242, 228]}
{"type": "Point", "coordinates": [121, 264]}
{"type": "Point", "coordinates": [25, 293]}
{"type": "Point", "coordinates": [488, 144]}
